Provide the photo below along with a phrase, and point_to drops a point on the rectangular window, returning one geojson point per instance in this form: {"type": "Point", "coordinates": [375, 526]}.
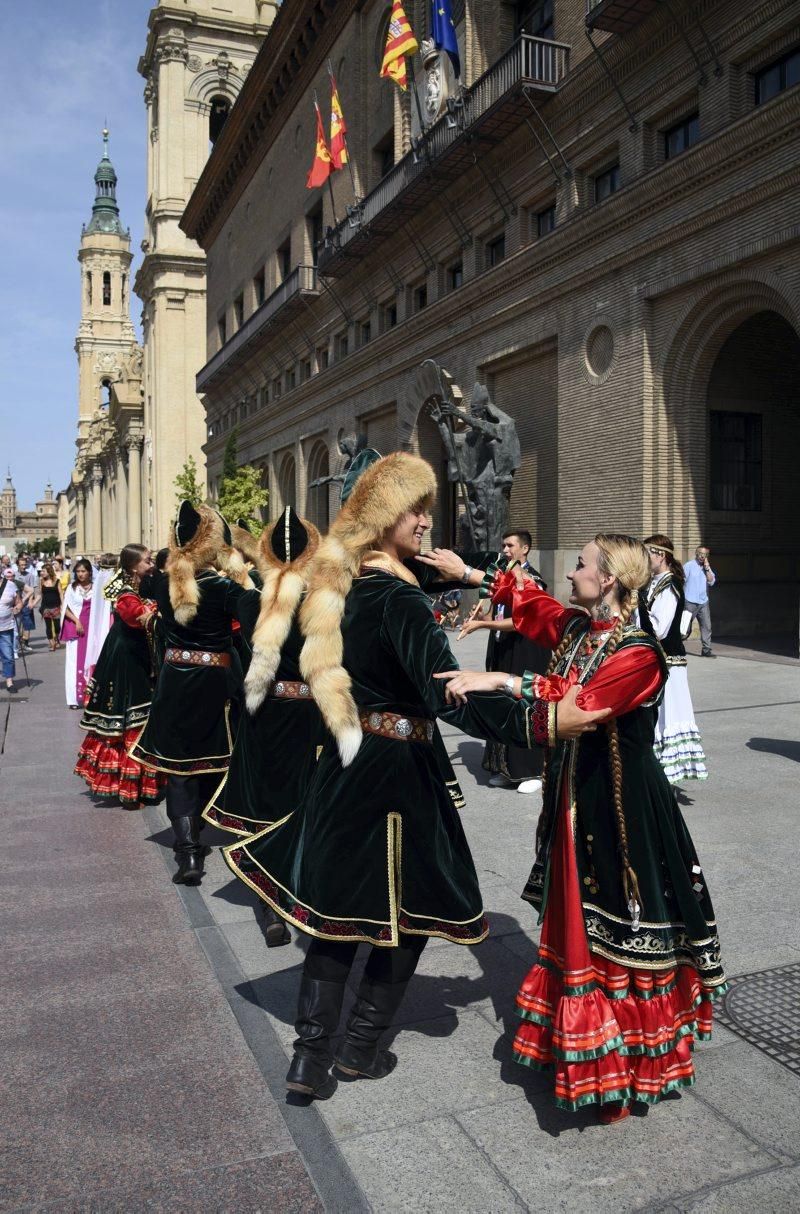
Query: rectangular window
{"type": "Point", "coordinates": [276, 389]}
{"type": "Point", "coordinates": [383, 155]}
{"type": "Point", "coordinates": [284, 256]}
{"type": "Point", "coordinates": [778, 76]}
{"type": "Point", "coordinates": [535, 17]}
{"type": "Point", "coordinates": [306, 370]}
{"type": "Point", "coordinates": [388, 315]}
{"type": "Point", "coordinates": [606, 183]}
{"type": "Point", "coordinates": [365, 332]}
{"type": "Point", "coordinates": [106, 289]}
{"type": "Point", "coordinates": [238, 312]}
{"type": "Point", "coordinates": [455, 276]}
{"type": "Point", "coordinates": [545, 221]}
{"type": "Point", "coordinates": [495, 250]}
{"type": "Point", "coordinates": [222, 329]}
{"type": "Point", "coordinates": [419, 298]}
{"type": "Point", "coordinates": [314, 222]}
{"type": "Point", "coordinates": [291, 379]}
{"type": "Point", "coordinates": [342, 345]}
{"type": "Point", "coordinates": [735, 445]}
{"type": "Point", "coordinates": [260, 288]}
{"type": "Point", "coordinates": [323, 358]}
{"type": "Point", "coordinates": [681, 136]}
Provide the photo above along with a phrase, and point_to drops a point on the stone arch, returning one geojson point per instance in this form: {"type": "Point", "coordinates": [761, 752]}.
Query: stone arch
{"type": "Point", "coordinates": [318, 500]}
{"type": "Point", "coordinates": [733, 365]}
{"type": "Point", "coordinates": [287, 481]}
{"type": "Point", "coordinates": [208, 83]}
{"type": "Point", "coordinates": [682, 370]}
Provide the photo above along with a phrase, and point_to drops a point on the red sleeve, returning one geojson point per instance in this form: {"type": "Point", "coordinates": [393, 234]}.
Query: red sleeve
{"type": "Point", "coordinates": [132, 610]}
{"type": "Point", "coordinates": [540, 617]}
{"type": "Point", "coordinates": [624, 681]}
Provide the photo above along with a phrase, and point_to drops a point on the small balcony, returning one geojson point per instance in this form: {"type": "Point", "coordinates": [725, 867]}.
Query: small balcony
{"type": "Point", "coordinates": [281, 305]}
{"type": "Point", "coordinates": [492, 108]}
{"type": "Point", "coordinates": [618, 16]}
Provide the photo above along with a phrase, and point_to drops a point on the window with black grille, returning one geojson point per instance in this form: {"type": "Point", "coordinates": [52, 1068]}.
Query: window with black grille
{"type": "Point", "coordinates": [606, 183]}
{"type": "Point", "coordinates": [681, 136]}
{"type": "Point", "coordinates": [778, 76]}
{"type": "Point", "coordinates": [736, 460]}
{"type": "Point", "coordinates": [545, 221]}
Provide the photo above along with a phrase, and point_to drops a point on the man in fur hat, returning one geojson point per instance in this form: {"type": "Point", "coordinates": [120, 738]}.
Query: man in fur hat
{"type": "Point", "coordinates": [375, 851]}
{"type": "Point", "coordinates": [190, 730]}
{"type": "Point", "coordinates": [280, 735]}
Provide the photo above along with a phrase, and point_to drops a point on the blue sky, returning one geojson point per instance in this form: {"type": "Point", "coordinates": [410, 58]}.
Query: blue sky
{"type": "Point", "coordinates": [68, 67]}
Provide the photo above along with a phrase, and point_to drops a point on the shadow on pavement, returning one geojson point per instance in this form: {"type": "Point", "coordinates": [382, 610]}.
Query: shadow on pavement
{"type": "Point", "coordinates": [470, 753]}
{"type": "Point", "coordinates": [785, 747]}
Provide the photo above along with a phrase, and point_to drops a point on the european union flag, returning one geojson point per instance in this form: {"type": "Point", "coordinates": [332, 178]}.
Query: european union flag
{"type": "Point", "coordinates": [444, 32]}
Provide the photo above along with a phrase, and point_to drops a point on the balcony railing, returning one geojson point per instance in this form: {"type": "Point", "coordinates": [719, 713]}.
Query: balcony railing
{"type": "Point", "coordinates": [301, 282]}
{"type": "Point", "coordinates": [618, 16]}
{"type": "Point", "coordinates": [491, 108]}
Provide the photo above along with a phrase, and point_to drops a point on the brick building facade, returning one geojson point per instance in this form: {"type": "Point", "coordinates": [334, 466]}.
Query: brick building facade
{"type": "Point", "coordinates": [603, 229]}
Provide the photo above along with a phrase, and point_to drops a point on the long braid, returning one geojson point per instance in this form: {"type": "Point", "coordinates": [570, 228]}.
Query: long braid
{"type": "Point", "coordinates": [630, 882]}
{"type": "Point", "coordinates": [564, 644]}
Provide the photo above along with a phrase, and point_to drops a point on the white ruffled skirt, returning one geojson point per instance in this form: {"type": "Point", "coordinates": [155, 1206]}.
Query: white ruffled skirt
{"type": "Point", "coordinates": [678, 745]}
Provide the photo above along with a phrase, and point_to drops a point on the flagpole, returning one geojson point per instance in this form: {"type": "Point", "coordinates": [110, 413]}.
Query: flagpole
{"type": "Point", "coordinates": [330, 184]}
{"type": "Point", "coordinates": [344, 138]}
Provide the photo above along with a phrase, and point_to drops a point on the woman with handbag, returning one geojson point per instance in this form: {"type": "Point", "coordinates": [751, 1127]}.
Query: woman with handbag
{"type": "Point", "coordinates": [50, 605]}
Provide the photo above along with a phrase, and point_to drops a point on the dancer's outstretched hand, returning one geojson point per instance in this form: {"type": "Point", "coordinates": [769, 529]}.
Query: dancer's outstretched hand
{"type": "Point", "coordinates": [461, 682]}
{"type": "Point", "coordinates": [572, 721]}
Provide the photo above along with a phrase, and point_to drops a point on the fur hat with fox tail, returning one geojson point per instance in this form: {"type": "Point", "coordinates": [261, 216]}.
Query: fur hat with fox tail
{"type": "Point", "coordinates": [286, 548]}
{"type": "Point", "coordinates": [387, 490]}
{"type": "Point", "coordinates": [200, 539]}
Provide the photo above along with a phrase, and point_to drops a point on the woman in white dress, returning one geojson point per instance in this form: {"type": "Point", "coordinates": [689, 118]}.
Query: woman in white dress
{"type": "Point", "coordinates": [76, 614]}
{"type": "Point", "coordinates": [677, 744]}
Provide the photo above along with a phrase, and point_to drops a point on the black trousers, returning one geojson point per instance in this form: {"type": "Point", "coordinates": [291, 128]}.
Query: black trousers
{"type": "Point", "coordinates": [187, 796]}
{"type": "Point", "coordinates": [332, 960]}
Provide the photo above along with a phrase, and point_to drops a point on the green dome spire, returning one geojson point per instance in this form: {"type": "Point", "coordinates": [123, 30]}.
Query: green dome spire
{"type": "Point", "coordinates": [105, 212]}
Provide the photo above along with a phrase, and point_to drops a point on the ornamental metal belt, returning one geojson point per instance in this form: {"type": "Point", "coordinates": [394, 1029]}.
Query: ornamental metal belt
{"type": "Point", "coordinates": [196, 657]}
{"type": "Point", "coordinates": [285, 689]}
{"type": "Point", "coordinates": [392, 725]}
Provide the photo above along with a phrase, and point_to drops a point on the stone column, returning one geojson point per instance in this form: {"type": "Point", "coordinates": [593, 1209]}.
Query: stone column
{"type": "Point", "coordinates": [94, 538]}
{"type": "Point", "coordinates": [134, 445]}
{"type": "Point", "coordinates": [80, 519]}
{"type": "Point", "coordinates": [122, 498]}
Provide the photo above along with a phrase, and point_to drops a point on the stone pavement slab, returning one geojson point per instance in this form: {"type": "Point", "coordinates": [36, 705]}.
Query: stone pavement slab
{"type": "Point", "coordinates": [137, 1010]}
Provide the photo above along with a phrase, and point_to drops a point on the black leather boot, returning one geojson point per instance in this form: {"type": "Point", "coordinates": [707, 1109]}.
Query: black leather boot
{"type": "Point", "coordinates": [372, 1013]}
{"type": "Point", "coordinates": [188, 851]}
{"type": "Point", "coordinates": [318, 1007]}
{"type": "Point", "coordinates": [275, 930]}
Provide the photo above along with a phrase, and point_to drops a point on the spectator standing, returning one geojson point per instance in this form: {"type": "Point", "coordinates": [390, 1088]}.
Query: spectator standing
{"type": "Point", "coordinates": [50, 605]}
{"type": "Point", "coordinates": [27, 585]}
{"type": "Point", "coordinates": [512, 766]}
{"type": "Point", "coordinates": [700, 577]}
{"type": "Point", "coordinates": [10, 606]}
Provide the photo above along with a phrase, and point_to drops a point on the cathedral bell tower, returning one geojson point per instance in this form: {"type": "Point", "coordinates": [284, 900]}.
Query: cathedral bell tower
{"type": "Point", "coordinates": [195, 61]}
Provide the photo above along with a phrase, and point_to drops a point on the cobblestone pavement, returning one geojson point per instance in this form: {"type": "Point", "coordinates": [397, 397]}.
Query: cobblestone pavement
{"type": "Point", "coordinates": [147, 1028]}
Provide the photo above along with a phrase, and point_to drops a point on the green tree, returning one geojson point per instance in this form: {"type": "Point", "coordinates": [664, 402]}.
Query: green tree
{"type": "Point", "coordinates": [49, 545]}
{"type": "Point", "coordinates": [241, 495]}
{"type": "Point", "coordinates": [187, 486]}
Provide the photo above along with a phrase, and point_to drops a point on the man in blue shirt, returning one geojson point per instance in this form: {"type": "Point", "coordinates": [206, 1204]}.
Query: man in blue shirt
{"type": "Point", "coordinates": [700, 578]}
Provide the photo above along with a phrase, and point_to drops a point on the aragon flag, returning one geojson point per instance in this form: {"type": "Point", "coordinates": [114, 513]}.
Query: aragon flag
{"type": "Point", "coordinates": [338, 144]}
{"type": "Point", "coordinates": [400, 41]}
{"type": "Point", "coordinates": [322, 167]}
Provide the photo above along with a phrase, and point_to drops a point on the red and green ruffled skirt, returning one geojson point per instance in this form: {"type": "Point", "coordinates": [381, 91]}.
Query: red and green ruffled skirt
{"type": "Point", "coordinates": [105, 765]}
{"type": "Point", "coordinates": [610, 1032]}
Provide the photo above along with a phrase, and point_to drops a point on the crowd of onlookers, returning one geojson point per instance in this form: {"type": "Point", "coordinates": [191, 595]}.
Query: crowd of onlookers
{"type": "Point", "coordinates": [31, 582]}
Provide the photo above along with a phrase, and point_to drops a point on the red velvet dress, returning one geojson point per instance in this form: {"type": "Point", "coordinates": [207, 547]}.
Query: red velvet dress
{"type": "Point", "coordinates": [117, 705]}
{"type": "Point", "coordinates": [613, 1031]}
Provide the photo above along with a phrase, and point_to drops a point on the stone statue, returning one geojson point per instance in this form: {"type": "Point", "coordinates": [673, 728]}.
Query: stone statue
{"type": "Point", "coordinates": [350, 445]}
{"type": "Point", "coordinates": [483, 453]}
{"type": "Point", "coordinates": [436, 85]}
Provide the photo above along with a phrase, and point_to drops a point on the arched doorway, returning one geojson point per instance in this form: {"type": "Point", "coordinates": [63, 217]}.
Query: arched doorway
{"type": "Point", "coordinates": [286, 482]}
{"type": "Point", "coordinates": [317, 500]}
{"type": "Point", "coordinates": [752, 437]}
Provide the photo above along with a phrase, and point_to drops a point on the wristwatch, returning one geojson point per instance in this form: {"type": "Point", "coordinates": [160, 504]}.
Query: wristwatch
{"type": "Point", "coordinates": [508, 685]}
{"type": "Point", "coordinates": [467, 574]}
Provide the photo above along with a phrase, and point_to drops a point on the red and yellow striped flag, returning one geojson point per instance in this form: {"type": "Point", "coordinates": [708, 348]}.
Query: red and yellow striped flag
{"type": "Point", "coordinates": [322, 168]}
{"type": "Point", "coordinates": [400, 41]}
{"type": "Point", "coordinates": [338, 144]}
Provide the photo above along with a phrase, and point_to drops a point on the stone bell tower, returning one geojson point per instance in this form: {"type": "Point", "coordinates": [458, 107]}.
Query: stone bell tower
{"type": "Point", "coordinates": [197, 55]}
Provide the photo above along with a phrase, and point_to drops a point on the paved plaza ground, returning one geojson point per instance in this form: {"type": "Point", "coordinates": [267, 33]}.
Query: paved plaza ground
{"type": "Point", "coordinates": [146, 1028]}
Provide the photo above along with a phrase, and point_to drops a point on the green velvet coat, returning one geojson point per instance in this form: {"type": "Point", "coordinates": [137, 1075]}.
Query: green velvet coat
{"type": "Point", "coordinates": [195, 709]}
{"type": "Point", "coordinates": [377, 848]}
